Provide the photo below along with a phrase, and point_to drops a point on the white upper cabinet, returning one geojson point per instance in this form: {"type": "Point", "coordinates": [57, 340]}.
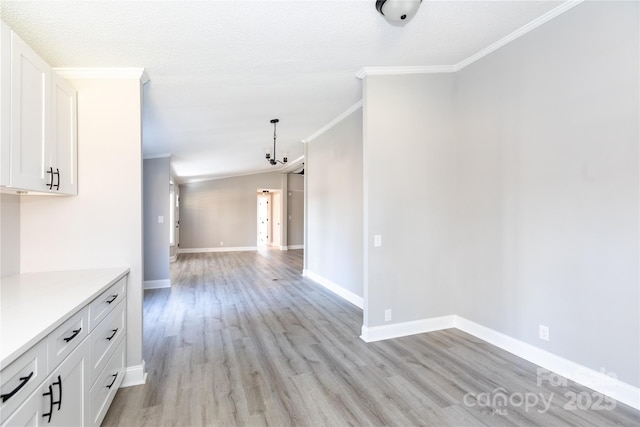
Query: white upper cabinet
{"type": "Point", "coordinates": [30, 107]}
{"type": "Point", "coordinates": [5, 102]}
{"type": "Point", "coordinates": [65, 134]}
{"type": "Point", "coordinates": [39, 151]}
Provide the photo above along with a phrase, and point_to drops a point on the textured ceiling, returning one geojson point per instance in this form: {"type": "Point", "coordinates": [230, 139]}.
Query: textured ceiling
{"type": "Point", "coordinates": [220, 70]}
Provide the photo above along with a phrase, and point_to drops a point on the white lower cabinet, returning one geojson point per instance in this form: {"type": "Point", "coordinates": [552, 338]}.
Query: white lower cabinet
{"type": "Point", "coordinates": [70, 377]}
{"type": "Point", "coordinates": [21, 378]}
{"type": "Point", "coordinates": [61, 400]}
{"type": "Point", "coordinates": [105, 338]}
{"type": "Point", "coordinates": [104, 390]}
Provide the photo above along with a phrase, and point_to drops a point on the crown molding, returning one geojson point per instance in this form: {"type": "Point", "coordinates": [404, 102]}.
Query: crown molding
{"type": "Point", "coordinates": [200, 178]}
{"type": "Point", "coordinates": [385, 71]}
{"type": "Point", "coordinates": [433, 69]}
{"type": "Point", "coordinates": [156, 156]}
{"type": "Point", "coordinates": [553, 13]}
{"type": "Point", "coordinates": [293, 165]}
{"type": "Point", "coordinates": [103, 73]}
{"type": "Point", "coordinates": [333, 122]}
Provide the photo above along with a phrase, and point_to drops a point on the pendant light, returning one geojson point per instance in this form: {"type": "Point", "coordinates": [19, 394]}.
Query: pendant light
{"type": "Point", "coordinates": [274, 161]}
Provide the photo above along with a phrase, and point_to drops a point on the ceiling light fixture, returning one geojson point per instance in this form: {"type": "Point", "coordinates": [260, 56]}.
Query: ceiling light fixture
{"type": "Point", "coordinates": [398, 12]}
{"type": "Point", "coordinates": [274, 160]}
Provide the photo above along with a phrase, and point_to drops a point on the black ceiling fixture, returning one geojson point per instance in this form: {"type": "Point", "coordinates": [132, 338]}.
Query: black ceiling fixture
{"type": "Point", "coordinates": [398, 12]}
{"type": "Point", "coordinates": [274, 161]}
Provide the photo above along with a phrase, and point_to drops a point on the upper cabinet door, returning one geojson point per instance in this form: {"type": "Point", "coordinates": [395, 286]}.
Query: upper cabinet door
{"type": "Point", "coordinates": [30, 107]}
{"type": "Point", "coordinates": [5, 103]}
{"type": "Point", "coordinates": [64, 147]}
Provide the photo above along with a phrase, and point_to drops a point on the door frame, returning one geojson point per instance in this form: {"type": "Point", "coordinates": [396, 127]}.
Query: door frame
{"type": "Point", "coordinates": [275, 216]}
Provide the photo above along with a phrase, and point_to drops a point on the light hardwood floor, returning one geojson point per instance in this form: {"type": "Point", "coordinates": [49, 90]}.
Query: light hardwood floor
{"type": "Point", "coordinates": [242, 339]}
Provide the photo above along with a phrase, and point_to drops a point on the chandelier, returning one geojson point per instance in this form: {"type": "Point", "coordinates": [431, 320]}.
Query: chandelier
{"type": "Point", "coordinates": [274, 160]}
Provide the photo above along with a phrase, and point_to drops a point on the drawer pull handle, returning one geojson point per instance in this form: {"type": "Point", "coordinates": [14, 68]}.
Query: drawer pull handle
{"type": "Point", "coordinates": [50, 184]}
{"type": "Point", "coordinates": [50, 394]}
{"type": "Point", "coordinates": [115, 377]}
{"type": "Point", "coordinates": [57, 172]}
{"type": "Point", "coordinates": [24, 381]}
{"type": "Point", "coordinates": [75, 334]}
{"type": "Point", "coordinates": [59, 402]}
{"type": "Point", "coordinates": [115, 331]}
{"type": "Point", "coordinates": [113, 298]}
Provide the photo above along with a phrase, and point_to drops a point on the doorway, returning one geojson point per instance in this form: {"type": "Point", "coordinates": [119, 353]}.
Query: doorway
{"type": "Point", "coordinates": [174, 220]}
{"type": "Point", "coordinates": [263, 219]}
{"type": "Point", "coordinates": [269, 218]}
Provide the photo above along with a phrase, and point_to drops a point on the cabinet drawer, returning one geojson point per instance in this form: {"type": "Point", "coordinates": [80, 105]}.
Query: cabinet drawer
{"type": "Point", "coordinates": [105, 388]}
{"type": "Point", "coordinates": [101, 306]}
{"type": "Point", "coordinates": [59, 400]}
{"type": "Point", "coordinates": [105, 337]}
{"type": "Point", "coordinates": [22, 377]}
{"type": "Point", "coordinates": [29, 413]}
{"type": "Point", "coordinates": [66, 337]}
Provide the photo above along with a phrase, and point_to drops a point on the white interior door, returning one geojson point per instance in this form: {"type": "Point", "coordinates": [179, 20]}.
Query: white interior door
{"type": "Point", "coordinates": [263, 219]}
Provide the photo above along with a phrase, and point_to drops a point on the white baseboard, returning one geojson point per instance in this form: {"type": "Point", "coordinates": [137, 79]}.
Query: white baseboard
{"type": "Point", "coordinates": [230, 249]}
{"type": "Point", "coordinates": [173, 258]}
{"type": "Point", "coordinates": [335, 288]}
{"type": "Point", "coordinates": [134, 375]}
{"type": "Point", "coordinates": [157, 284]}
{"type": "Point", "coordinates": [220, 249]}
{"type": "Point", "coordinates": [598, 381]}
{"type": "Point", "coordinates": [396, 330]}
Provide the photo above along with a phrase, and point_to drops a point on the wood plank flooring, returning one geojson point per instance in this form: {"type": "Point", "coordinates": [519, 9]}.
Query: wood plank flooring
{"type": "Point", "coordinates": [242, 339]}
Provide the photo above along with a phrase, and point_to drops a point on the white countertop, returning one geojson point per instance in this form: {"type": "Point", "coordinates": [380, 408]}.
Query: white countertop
{"type": "Point", "coordinates": [34, 304]}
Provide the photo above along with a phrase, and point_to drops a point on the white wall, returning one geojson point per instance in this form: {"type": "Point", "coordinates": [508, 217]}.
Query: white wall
{"type": "Point", "coordinates": [333, 175]}
{"type": "Point", "coordinates": [9, 235]}
{"type": "Point", "coordinates": [547, 212]}
{"type": "Point", "coordinates": [223, 210]}
{"type": "Point", "coordinates": [156, 178]}
{"type": "Point", "coordinates": [409, 190]}
{"type": "Point", "coordinates": [102, 226]}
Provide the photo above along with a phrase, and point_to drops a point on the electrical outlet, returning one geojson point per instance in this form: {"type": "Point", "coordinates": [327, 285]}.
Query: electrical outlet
{"type": "Point", "coordinates": [387, 315]}
{"type": "Point", "coordinates": [377, 240]}
{"type": "Point", "coordinates": [544, 332]}
{"type": "Point", "coordinates": [221, 243]}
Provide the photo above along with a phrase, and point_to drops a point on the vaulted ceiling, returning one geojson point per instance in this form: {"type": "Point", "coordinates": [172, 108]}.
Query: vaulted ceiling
{"type": "Point", "coordinates": [220, 70]}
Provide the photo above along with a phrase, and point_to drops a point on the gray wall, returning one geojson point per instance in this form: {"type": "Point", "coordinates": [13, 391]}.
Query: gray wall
{"type": "Point", "coordinates": [9, 235]}
{"type": "Point", "coordinates": [223, 210]}
{"type": "Point", "coordinates": [156, 177]}
{"type": "Point", "coordinates": [333, 172]}
{"type": "Point", "coordinates": [547, 211]}
{"type": "Point", "coordinates": [295, 207]}
{"type": "Point", "coordinates": [409, 186]}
